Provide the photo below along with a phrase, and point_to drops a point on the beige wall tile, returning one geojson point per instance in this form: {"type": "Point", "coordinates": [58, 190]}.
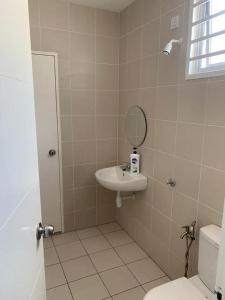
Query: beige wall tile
{"type": "Point", "coordinates": [67, 157]}
{"type": "Point", "coordinates": [123, 49]}
{"type": "Point", "coordinates": [64, 73]}
{"type": "Point", "coordinates": [148, 101]}
{"type": "Point", "coordinates": [128, 99]}
{"type": "Point", "coordinates": [107, 77]}
{"type": "Point", "coordinates": [123, 80]}
{"type": "Point", "coordinates": [85, 199]}
{"type": "Point", "coordinates": [150, 38]}
{"type": "Point", "coordinates": [82, 75]}
{"type": "Point", "coordinates": [150, 10]}
{"type": "Point", "coordinates": [67, 177]}
{"type": "Point", "coordinates": [184, 209]}
{"type": "Point", "coordinates": [123, 152]}
{"type": "Point", "coordinates": [187, 176]}
{"type": "Point", "coordinates": [165, 133]}
{"type": "Point", "coordinates": [215, 105]}
{"type": "Point", "coordinates": [150, 137]}
{"type": "Point", "coordinates": [84, 127]}
{"type": "Point", "coordinates": [84, 152]}
{"type": "Point", "coordinates": [212, 188]}
{"type": "Point", "coordinates": [166, 104]}
{"type": "Point", "coordinates": [65, 101]}
{"type": "Point", "coordinates": [82, 47]}
{"type": "Point", "coordinates": [106, 150]}
{"type": "Point", "coordinates": [106, 127]}
{"type": "Point", "coordinates": [68, 201]}
{"type": "Point", "coordinates": [176, 267]}
{"type": "Point", "coordinates": [69, 223]}
{"type": "Point", "coordinates": [34, 12]}
{"type": "Point", "coordinates": [192, 100]}
{"type": "Point", "coordinates": [134, 45]}
{"type": "Point", "coordinates": [84, 175]}
{"type": "Point", "coordinates": [85, 218]}
{"type": "Point", "coordinates": [133, 16]}
{"type": "Point", "coordinates": [207, 216]}
{"type": "Point", "coordinates": [66, 128]}
{"type": "Point", "coordinates": [55, 41]}
{"type": "Point", "coordinates": [189, 141]}
{"type": "Point", "coordinates": [83, 102]}
{"type": "Point", "coordinates": [54, 14]}
{"type": "Point", "coordinates": [160, 226]}
{"type": "Point", "coordinates": [214, 147]}
{"type": "Point", "coordinates": [162, 198]}
{"type": "Point", "coordinates": [35, 35]}
{"type": "Point", "coordinates": [133, 74]}
{"type": "Point", "coordinates": [147, 162]}
{"type": "Point", "coordinates": [167, 5]}
{"type": "Point", "coordinates": [163, 166]}
{"type": "Point", "coordinates": [107, 103]}
{"type": "Point", "coordinates": [159, 250]}
{"type": "Point", "coordinates": [106, 209]}
{"type": "Point", "coordinates": [149, 71]}
{"type": "Point", "coordinates": [81, 18]}
{"type": "Point", "coordinates": [107, 50]}
{"type": "Point", "coordinates": [107, 23]}
{"type": "Point", "coordinates": [168, 69]}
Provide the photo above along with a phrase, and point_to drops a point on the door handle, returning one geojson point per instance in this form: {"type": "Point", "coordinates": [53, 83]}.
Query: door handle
{"type": "Point", "coordinates": [51, 152]}
{"type": "Point", "coordinates": [46, 231]}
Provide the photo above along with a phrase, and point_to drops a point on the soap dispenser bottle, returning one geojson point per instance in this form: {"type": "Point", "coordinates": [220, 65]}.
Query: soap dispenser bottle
{"type": "Point", "coordinates": [134, 162]}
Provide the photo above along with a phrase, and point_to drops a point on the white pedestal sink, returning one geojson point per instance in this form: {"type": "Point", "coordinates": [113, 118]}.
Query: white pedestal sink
{"type": "Point", "coordinates": [115, 179]}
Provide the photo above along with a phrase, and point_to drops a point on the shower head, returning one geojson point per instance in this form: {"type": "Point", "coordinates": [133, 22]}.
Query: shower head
{"type": "Point", "coordinates": [169, 47]}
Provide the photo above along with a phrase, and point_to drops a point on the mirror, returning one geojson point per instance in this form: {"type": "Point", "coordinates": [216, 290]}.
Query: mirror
{"type": "Point", "coordinates": [136, 126]}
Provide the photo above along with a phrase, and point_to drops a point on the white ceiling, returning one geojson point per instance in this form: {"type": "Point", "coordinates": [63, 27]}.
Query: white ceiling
{"type": "Point", "coordinates": [113, 5]}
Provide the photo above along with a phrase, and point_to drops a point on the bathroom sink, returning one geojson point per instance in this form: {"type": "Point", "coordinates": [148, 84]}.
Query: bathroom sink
{"type": "Point", "coordinates": [115, 179]}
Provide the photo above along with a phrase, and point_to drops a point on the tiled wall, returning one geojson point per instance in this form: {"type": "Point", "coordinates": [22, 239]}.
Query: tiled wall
{"type": "Point", "coordinates": [87, 41]}
{"type": "Point", "coordinates": [186, 134]}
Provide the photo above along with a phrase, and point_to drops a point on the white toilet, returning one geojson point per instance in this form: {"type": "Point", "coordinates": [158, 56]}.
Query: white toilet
{"type": "Point", "coordinates": [202, 285]}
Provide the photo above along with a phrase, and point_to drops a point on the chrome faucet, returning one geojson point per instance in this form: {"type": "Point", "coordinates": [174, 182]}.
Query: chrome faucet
{"type": "Point", "coordinates": [125, 167]}
{"type": "Point", "coordinates": [189, 231]}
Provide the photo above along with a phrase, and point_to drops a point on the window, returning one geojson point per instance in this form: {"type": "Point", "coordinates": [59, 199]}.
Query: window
{"type": "Point", "coordinates": [206, 42]}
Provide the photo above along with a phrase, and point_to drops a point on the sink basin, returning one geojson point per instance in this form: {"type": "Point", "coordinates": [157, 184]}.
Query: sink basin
{"type": "Point", "coordinates": [115, 179]}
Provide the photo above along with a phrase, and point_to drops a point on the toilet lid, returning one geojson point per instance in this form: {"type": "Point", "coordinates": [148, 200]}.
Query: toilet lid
{"type": "Point", "coordinates": [180, 289]}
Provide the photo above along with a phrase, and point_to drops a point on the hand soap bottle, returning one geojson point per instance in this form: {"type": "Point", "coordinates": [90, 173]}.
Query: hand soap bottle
{"type": "Point", "coordinates": [135, 162]}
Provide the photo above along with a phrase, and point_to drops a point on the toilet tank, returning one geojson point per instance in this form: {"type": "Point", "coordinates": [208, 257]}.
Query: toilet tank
{"type": "Point", "coordinates": [209, 241]}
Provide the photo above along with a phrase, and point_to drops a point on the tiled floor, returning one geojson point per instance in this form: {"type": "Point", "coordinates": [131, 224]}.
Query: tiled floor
{"type": "Point", "coordinates": [98, 263]}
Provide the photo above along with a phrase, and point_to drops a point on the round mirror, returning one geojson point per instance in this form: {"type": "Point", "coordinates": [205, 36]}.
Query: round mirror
{"type": "Point", "coordinates": [136, 126]}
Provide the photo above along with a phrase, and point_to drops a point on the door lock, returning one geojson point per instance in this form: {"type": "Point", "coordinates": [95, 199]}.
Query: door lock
{"type": "Point", "coordinates": [51, 152]}
{"type": "Point", "coordinates": [46, 231]}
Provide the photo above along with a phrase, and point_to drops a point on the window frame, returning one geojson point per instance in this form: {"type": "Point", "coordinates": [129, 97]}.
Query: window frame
{"type": "Point", "coordinates": [214, 70]}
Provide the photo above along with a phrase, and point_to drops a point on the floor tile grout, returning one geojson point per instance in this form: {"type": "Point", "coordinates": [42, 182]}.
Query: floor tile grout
{"type": "Point", "coordinates": [65, 276]}
{"type": "Point", "coordinates": [98, 273]}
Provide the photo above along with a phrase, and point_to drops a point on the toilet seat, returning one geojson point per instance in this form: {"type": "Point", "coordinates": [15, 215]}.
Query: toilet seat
{"type": "Point", "coordinates": [181, 288]}
{"type": "Point", "coordinates": [197, 282]}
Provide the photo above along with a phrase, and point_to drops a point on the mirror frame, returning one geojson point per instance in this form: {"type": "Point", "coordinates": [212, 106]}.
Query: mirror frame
{"type": "Point", "coordinates": [146, 125]}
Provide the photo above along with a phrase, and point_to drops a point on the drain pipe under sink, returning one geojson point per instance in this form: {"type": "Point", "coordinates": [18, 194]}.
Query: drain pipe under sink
{"type": "Point", "coordinates": [119, 198]}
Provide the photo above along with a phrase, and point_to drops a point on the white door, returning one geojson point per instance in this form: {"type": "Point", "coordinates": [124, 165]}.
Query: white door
{"type": "Point", "coordinates": [47, 111]}
{"type": "Point", "coordinates": [21, 257]}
